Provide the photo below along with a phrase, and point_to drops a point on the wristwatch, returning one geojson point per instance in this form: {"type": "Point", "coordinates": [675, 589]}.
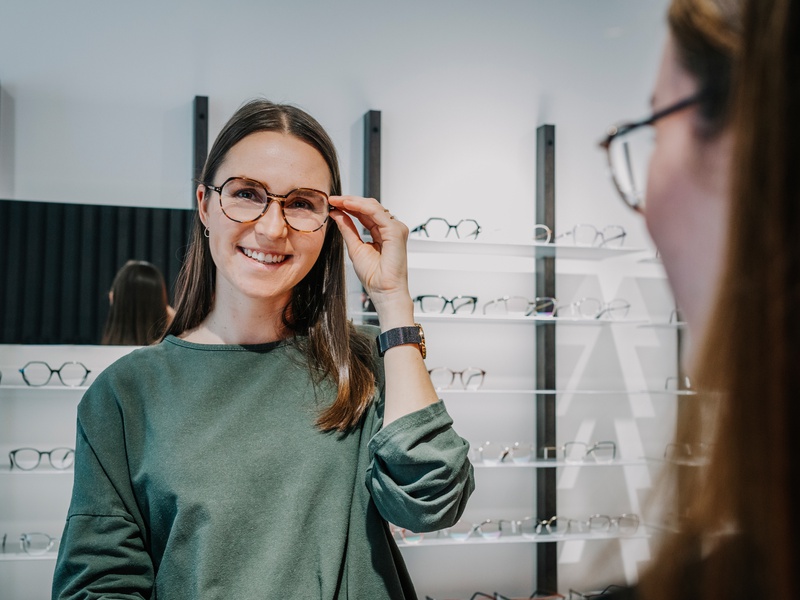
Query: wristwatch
{"type": "Point", "coordinates": [402, 335]}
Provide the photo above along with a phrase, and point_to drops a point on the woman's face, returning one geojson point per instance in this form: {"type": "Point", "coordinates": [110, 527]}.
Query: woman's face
{"type": "Point", "coordinates": [263, 261]}
{"type": "Point", "coordinates": [687, 195]}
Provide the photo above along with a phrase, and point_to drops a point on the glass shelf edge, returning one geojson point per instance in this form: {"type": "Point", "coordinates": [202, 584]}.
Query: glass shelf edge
{"type": "Point", "coordinates": [523, 540]}
{"type": "Point", "coordinates": [550, 464]}
{"type": "Point", "coordinates": [488, 391]}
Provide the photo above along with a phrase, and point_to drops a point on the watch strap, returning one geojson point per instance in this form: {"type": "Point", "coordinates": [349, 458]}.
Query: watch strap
{"type": "Point", "coordinates": [400, 336]}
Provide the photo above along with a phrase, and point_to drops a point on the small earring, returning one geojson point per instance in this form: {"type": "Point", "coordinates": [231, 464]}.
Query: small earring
{"type": "Point", "coordinates": [206, 232]}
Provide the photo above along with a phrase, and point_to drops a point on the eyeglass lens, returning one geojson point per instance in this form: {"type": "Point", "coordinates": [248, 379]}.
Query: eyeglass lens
{"type": "Point", "coordinates": [245, 200]}
{"type": "Point", "coordinates": [629, 159]}
{"type": "Point", "coordinates": [37, 373]}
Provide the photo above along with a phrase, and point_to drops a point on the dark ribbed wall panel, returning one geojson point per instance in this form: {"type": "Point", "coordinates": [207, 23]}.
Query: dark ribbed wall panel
{"type": "Point", "coordinates": [57, 262]}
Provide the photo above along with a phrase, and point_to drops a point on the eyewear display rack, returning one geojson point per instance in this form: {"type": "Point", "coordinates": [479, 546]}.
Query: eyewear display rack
{"type": "Point", "coordinates": [43, 418]}
{"type": "Point", "coordinates": [545, 393]}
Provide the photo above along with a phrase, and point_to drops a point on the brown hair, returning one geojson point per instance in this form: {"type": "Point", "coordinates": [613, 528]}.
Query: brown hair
{"type": "Point", "coordinates": [317, 312]}
{"type": "Point", "coordinates": [739, 513]}
{"type": "Point", "coordinates": [138, 312]}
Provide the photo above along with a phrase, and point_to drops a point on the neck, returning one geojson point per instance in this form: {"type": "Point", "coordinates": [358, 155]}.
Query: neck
{"type": "Point", "coordinates": [243, 323]}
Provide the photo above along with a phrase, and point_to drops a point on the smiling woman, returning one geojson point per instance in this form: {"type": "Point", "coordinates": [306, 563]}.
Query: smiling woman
{"type": "Point", "coordinates": [263, 447]}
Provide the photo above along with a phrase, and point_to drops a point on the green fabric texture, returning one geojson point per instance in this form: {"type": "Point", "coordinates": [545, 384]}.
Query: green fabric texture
{"type": "Point", "coordinates": [200, 475]}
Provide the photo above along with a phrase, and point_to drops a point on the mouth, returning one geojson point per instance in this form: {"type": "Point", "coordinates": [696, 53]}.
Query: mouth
{"type": "Point", "coordinates": [263, 257]}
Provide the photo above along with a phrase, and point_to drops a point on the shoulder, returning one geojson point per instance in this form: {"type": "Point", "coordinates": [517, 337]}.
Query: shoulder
{"type": "Point", "coordinates": [126, 373]}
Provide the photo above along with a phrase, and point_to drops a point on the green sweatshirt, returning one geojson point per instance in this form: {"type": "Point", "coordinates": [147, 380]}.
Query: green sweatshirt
{"type": "Point", "coordinates": [200, 474]}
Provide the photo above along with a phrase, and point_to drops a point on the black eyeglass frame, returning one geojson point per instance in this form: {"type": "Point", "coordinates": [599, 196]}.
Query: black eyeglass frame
{"type": "Point", "coordinates": [12, 458]}
{"type": "Point", "coordinates": [619, 130]}
{"type": "Point", "coordinates": [471, 301]}
{"type": "Point", "coordinates": [450, 227]}
{"type": "Point", "coordinates": [56, 371]}
{"type": "Point", "coordinates": [279, 198]}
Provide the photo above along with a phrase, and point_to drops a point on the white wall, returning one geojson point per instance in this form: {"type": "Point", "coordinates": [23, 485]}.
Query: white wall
{"type": "Point", "coordinates": [97, 103]}
{"type": "Point", "coordinates": [96, 107]}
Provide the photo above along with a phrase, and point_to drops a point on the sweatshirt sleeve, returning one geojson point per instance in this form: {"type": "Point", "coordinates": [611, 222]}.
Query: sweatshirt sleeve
{"type": "Point", "coordinates": [420, 476]}
{"type": "Point", "coordinates": [103, 552]}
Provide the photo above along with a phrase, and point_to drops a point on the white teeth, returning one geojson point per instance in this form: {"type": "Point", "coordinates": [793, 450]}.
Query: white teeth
{"type": "Point", "coordinates": [264, 258]}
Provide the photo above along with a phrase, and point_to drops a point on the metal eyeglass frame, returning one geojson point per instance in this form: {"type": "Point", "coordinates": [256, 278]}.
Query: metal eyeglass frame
{"type": "Point", "coordinates": [533, 307]}
{"type": "Point", "coordinates": [424, 227]}
{"type": "Point", "coordinates": [24, 543]}
{"type": "Point", "coordinates": [479, 373]}
{"type": "Point", "coordinates": [605, 308]}
{"type": "Point", "coordinates": [56, 371]}
{"type": "Point", "coordinates": [598, 233]}
{"type": "Point", "coordinates": [279, 198]}
{"type": "Point", "coordinates": [551, 452]}
{"type": "Point", "coordinates": [616, 131]}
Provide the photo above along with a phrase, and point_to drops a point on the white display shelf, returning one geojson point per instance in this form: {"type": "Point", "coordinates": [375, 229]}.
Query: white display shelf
{"type": "Point", "coordinates": [528, 392]}
{"type": "Point", "coordinates": [481, 318]}
{"type": "Point", "coordinates": [429, 542]}
{"type": "Point", "coordinates": [664, 325]}
{"type": "Point", "coordinates": [552, 464]}
{"type": "Point", "coordinates": [681, 463]}
{"type": "Point", "coordinates": [534, 249]}
{"type": "Point", "coordinates": [5, 469]}
{"type": "Point", "coordinates": [49, 388]}
{"type": "Point", "coordinates": [22, 556]}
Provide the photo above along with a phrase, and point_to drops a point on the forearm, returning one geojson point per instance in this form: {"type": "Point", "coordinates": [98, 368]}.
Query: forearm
{"type": "Point", "coordinates": [408, 385]}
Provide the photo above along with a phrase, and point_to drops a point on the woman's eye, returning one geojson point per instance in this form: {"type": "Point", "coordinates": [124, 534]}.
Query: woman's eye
{"type": "Point", "coordinates": [248, 195]}
{"type": "Point", "coordinates": [300, 204]}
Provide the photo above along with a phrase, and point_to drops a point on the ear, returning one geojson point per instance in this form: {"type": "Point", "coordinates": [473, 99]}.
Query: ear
{"type": "Point", "coordinates": [111, 297]}
{"type": "Point", "coordinates": [202, 204]}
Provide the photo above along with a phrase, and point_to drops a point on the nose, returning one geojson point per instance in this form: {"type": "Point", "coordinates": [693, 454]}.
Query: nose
{"type": "Point", "coordinates": [271, 223]}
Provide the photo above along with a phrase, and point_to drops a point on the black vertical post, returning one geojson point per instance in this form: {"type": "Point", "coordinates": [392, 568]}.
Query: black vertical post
{"type": "Point", "coordinates": [546, 553]}
{"type": "Point", "coordinates": [372, 171]}
{"type": "Point", "coordinates": [372, 154]}
{"type": "Point", "coordinates": [200, 141]}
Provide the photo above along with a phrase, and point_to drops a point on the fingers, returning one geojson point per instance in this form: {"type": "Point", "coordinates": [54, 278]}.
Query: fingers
{"type": "Point", "coordinates": [377, 219]}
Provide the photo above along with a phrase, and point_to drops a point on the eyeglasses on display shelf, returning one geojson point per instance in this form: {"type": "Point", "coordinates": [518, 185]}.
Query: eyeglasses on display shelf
{"type": "Point", "coordinates": [34, 544]}
{"type": "Point", "coordinates": [38, 373]}
{"type": "Point", "coordinates": [494, 453]}
{"type": "Point", "coordinates": [592, 308]}
{"type": "Point", "coordinates": [464, 530]}
{"type": "Point", "coordinates": [470, 378]}
{"type": "Point", "coordinates": [439, 228]}
{"type": "Point", "coordinates": [576, 595]}
{"type": "Point", "coordinates": [625, 524]}
{"type": "Point", "coordinates": [531, 527]}
{"type": "Point", "coordinates": [585, 234]}
{"type": "Point", "coordinates": [27, 459]}
{"type": "Point", "coordinates": [429, 303]}
{"type": "Point", "coordinates": [521, 306]}
{"type": "Point", "coordinates": [675, 383]}
{"type": "Point", "coordinates": [245, 200]}
{"type": "Point", "coordinates": [542, 234]}
{"type": "Point", "coordinates": [628, 148]}
{"type": "Point", "coordinates": [579, 452]}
